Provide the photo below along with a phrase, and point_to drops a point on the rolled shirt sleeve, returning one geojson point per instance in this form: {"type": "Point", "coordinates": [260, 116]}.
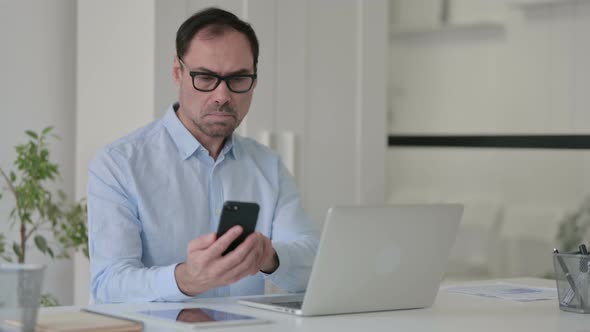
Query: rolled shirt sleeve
{"type": "Point", "coordinates": [117, 273]}
{"type": "Point", "coordinates": [294, 236]}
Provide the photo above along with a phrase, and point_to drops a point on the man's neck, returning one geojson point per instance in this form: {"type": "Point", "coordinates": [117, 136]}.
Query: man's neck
{"type": "Point", "coordinates": [212, 144]}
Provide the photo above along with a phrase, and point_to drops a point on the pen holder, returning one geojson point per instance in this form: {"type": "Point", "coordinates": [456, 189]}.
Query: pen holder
{"type": "Point", "coordinates": [20, 287]}
{"type": "Point", "coordinates": [572, 277]}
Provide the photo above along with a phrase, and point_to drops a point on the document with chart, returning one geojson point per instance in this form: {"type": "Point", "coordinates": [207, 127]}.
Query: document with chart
{"type": "Point", "coordinates": [505, 291]}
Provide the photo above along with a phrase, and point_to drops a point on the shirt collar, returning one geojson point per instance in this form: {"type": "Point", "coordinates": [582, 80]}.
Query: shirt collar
{"type": "Point", "coordinates": [185, 142]}
{"type": "Point", "coordinates": [229, 148]}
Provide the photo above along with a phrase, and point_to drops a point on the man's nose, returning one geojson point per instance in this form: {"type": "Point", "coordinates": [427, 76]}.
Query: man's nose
{"type": "Point", "coordinates": [221, 94]}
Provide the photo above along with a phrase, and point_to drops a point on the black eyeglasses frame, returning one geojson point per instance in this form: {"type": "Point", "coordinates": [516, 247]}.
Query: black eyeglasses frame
{"type": "Point", "coordinates": [219, 78]}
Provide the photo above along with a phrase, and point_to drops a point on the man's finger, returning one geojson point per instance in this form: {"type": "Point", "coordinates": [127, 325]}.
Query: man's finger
{"type": "Point", "coordinates": [246, 267]}
{"type": "Point", "coordinates": [234, 258]}
{"type": "Point", "coordinates": [225, 240]}
{"type": "Point", "coordinates": [263, 253]}
{"type": "Point", "coordinates": [259, 248]}
{"type": "Point", "coordinates": [202, 242]}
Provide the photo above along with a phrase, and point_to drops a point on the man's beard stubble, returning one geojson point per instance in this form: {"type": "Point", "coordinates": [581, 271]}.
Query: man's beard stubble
{"type": "Point", "coordinates": [218, 129]}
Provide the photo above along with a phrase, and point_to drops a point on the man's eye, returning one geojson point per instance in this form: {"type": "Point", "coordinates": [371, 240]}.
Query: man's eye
{"type": "Point", "coordinates": [206, 78]}
{"type": "Point", "coordinates": [238, 79]}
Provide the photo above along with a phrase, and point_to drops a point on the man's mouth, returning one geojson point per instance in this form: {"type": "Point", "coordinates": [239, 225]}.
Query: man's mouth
{"type": "Point", "coordinates": [221, 115]}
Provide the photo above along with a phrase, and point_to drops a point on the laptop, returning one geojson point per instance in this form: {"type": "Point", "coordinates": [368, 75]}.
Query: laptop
{"type": "Point", "coordinates": [374, 259]}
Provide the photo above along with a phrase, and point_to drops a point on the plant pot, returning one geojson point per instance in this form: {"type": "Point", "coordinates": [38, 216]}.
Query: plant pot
{"type": "Point", "coordinates": [20, 289]}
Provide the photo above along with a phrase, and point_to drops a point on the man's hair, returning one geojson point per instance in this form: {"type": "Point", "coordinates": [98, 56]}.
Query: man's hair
{"type": "Point", "coordinates": [215, 20]}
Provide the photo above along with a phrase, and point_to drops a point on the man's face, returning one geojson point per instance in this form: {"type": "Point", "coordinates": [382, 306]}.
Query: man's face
{"type": "Point", "coordinates": [214, 114]}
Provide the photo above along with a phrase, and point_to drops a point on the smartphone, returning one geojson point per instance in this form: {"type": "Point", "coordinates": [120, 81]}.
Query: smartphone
{"type": "Point", "coordinates": [234, 213]}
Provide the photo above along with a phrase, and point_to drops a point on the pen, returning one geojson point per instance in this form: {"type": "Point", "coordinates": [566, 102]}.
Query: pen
{"type": "Point", "coordinates": [583, 260]}
{"type": "Point", "coordinates": [569, 278]}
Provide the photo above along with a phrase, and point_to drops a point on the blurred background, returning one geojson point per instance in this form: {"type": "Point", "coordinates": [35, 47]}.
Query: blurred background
{"type": "Point", "coordinates": [342, 85]}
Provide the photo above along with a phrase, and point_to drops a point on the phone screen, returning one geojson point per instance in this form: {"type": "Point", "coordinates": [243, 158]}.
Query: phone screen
{"type": "Point", "coordinates": [234, 213]}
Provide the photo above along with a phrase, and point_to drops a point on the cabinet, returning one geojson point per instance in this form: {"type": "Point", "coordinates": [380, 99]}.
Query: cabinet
{"type": "Point", "coordinates": [415, 18]}
{"type": "Point", "coordinates": [525, 4]}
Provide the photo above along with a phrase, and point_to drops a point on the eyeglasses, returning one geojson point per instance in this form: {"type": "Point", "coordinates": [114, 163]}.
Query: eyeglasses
{"type": "Point", "coordinates": [207, 82]}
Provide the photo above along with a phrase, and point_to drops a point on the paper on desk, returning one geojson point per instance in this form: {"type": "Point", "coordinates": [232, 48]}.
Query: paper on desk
{"type": "Point", "coordinates": [505, 291]}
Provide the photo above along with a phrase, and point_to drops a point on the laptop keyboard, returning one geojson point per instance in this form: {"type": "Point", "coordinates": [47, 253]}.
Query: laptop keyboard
{"type": "Point", "coordinates": [294, 305]}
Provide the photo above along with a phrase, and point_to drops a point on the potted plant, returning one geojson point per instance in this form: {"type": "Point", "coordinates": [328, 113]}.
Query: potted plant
{"type": "Point", "coordinates": [38, 211]}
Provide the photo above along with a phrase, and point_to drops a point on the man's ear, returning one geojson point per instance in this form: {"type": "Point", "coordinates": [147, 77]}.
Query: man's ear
{"type": "Point", "coordinates": [176, 71]}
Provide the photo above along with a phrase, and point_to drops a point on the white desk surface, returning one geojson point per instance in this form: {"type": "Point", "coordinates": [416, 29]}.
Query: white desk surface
{"type": "Point", "coordinates": [450, 312]}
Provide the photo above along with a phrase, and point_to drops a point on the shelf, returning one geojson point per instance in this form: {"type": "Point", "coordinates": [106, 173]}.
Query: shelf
{"type": "Point", "coordinates": [486, 28]}
{"type": "Point", "coordinates": [528, 4]}
{"type": "Point", "coordinates": [522, 141]}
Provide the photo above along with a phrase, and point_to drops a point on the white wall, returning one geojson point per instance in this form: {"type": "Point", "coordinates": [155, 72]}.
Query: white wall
{"type": "Point", "coordinates": [527, 75]}
{"type": "Point", "coordinates": [115, 86]}
{"type": "Point", "coordinates": [37, 89]}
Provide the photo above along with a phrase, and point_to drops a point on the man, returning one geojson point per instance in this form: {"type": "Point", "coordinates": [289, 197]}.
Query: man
{"type": "Point", "coordinates": [155, 196]}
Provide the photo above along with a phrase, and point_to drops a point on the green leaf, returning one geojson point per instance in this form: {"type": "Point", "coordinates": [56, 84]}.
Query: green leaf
{"type": "Point", "coordinates": [47, 130]}
{"type": "Point", "coordinates": [2, 243]}
{"type": "Point", "coordinates": [50, 252]}
{"type": "Point", "coordinates": [7, 258]}
{"type": "Point", "coordinates": [41, 243]}
{"type": "Point", "coordinates": [86, 251]}
{"type": "Point", "coordinates": [48, 300]}
{"type": "Point", "coordinates": [16, 249]}
{"type": "Point", "coordinates": [12, 176]}
{"type": "Point", "coordinates": [32, 134]}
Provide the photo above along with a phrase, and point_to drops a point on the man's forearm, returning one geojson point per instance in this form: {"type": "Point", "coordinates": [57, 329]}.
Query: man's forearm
{"type": "Point", "coordinates": [126, 283]}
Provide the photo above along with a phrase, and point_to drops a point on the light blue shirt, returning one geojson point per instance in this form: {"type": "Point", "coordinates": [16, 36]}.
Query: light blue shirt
{"type": "Point", "coordinates": [153, 191]}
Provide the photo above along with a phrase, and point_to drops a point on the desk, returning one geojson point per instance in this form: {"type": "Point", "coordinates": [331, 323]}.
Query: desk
{"type": "Point", "coordinates": [450, 312]}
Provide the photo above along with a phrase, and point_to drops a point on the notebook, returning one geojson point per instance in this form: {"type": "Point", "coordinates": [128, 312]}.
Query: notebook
{"type": "Point", "coordinates": [373, 259]}
{"type": "Point", "coordinates": [85, 320]}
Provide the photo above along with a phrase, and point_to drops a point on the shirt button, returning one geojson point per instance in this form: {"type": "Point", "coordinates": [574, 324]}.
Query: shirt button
{"type": "Point", "coordinates": [217, 212]}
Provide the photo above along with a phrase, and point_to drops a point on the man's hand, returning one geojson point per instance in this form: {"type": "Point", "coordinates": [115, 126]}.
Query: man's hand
{"type": "Point", "coordinates": [206, 268]}
{"type": "Point", "coordinates": [270, 260]}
